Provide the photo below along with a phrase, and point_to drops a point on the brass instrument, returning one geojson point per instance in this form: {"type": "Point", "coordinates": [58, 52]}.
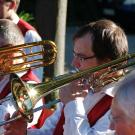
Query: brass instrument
{"type": "Point", "coordinates": [21, 61]}
{"type": "Point", "coordinates": [26, 95]}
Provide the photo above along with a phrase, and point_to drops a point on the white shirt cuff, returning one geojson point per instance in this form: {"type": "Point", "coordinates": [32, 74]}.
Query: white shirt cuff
{"type": "Point", "coordinates": [75, 108]}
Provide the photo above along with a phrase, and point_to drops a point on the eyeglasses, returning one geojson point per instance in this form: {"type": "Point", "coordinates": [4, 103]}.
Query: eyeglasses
{"type": "Point", "coordinates": [82, 58]}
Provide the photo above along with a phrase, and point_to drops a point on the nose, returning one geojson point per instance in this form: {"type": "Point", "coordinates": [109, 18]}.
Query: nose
{"type": "Point", "coordinates": [75, 62]}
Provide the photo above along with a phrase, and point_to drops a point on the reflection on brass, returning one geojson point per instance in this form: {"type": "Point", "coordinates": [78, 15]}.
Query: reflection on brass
{"type": "Point", "coordinates": [22, 98]}
{"type": "Point", "coordinates": [14, 59]}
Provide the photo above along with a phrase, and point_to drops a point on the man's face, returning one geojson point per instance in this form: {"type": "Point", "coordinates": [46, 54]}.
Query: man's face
{"type": "Point", "coordinates": [84, 57]}
{"type": "Point", "coordinates": [5, 9]}
{"type": "Point", "coordinates": [122, 124]}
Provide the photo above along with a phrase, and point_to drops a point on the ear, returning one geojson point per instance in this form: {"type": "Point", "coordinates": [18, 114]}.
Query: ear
{"type": "Point", "coordinates": [12, 5]}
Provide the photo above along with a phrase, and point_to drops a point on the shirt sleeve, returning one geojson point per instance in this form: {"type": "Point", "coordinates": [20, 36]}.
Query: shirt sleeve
{"type": "Point", "coordinates": [49, 125]}
{"type": "Point", "coordinates": [76, 121]}
{"type": "Point", "coordinates": [32, 36]}
{"type": "Point", "coordinates": [3, 111]}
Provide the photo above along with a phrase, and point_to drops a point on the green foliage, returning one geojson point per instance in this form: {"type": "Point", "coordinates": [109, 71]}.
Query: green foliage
{"type": "Point", "coordinates": [28, 17]}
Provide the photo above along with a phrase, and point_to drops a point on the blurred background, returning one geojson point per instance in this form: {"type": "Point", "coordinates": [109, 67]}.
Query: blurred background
{"type": "Point", "coordinates": [57, 20]}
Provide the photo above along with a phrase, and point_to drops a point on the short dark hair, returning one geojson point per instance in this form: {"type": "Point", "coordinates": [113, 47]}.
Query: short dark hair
{"type": "Point", "coordinates": [10, 33]}
{"type": "Point", "coordinates": [109, 39]}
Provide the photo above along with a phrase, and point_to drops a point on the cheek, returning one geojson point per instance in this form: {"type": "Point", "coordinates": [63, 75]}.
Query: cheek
{"type": "Point", "coordinates": [89, 64]}
{"type": "Point", "coordinates": [4, 13]}
{"type": "Point", "coordinates": [75, 63]}
{"type": "Point", "coordinates": [84, 66]}
{"type": "Point", "coordinates": [122, 129]}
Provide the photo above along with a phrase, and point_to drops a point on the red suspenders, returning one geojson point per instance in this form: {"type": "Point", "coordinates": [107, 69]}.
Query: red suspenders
{"type": "Point", "coordinates": [95, 114]}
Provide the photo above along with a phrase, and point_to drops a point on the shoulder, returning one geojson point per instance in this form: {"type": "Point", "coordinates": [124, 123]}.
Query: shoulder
{"type": "Point", "coordinates": [25, 25]}
{"type": "Point", "coordinates": [32, 36]}
{"type": "Point", "coordinates": [29, 32]}
{"type": "Point", "coordinates": [103, 123]}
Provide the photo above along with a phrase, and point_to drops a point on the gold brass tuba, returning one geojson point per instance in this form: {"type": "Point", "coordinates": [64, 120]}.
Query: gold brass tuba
{"type": "Point", "coordinates": [13, 59]}
{"type": "Point", "coordinates": [10, 63]}
{"type": "Point", "coordinates": [26, 95]}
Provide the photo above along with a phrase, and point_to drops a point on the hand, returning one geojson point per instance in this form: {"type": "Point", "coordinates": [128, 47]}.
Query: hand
{"type": "Point", "coordinates": [72, 91]}
{"type": "Point", "coordinates": [17, 127]}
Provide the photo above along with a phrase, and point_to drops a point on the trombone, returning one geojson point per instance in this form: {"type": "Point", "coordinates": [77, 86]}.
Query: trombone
{"type": "Point", "coordinates": [21, 61]}
{"type": "Point", "coordinates": [26, 95]}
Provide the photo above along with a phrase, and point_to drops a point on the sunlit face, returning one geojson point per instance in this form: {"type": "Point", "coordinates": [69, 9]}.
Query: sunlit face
{"type": "Point", "coordinates": [122, 124]}
{"type": "Point", "coordinates": [83, 49]}
{"type": "Point", "coordinates": [5, 9]}
{"type": "Point", "coordinates": [84, 57]}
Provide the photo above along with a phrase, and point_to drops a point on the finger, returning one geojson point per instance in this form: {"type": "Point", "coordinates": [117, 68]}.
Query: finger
{"type": "Point", "coordinates": [84, 93]}
{"type": "Point", "coordinates": [77, 89]}
{"type": "Point", "coordinates": [7, 132]}
{"type": "Point", "coordinates": [86, 86]}
{"type": "Point", "coordinates": [7, 127]}
{"type": "Point", "coordinates": [15, 114]}
{"type": "Point", "coordinates": [7, 116]}
{"type": "Point", "coordinates": [82, 86]}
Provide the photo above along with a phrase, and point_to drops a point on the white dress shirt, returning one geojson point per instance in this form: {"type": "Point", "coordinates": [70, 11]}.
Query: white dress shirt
{"type": "Point", "coordinates": [76, 122]}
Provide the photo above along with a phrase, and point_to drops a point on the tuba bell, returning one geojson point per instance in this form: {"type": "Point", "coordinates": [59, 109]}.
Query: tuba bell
{"type": "Point", "coordinates": [44, 57]}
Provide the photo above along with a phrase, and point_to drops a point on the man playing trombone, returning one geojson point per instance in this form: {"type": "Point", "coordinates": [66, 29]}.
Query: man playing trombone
{"type": "Point", "coordinates": [87, 100]}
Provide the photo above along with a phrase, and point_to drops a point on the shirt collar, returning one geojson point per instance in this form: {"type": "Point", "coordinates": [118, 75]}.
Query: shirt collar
{"type": "Point", "coordinates": [15, 18]}
{"type": "Point", "coordinates": [111, 88]}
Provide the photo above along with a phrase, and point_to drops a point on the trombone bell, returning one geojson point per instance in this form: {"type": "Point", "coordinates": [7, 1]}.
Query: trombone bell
{"type": "Point", "coordinates": [22, 98]}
